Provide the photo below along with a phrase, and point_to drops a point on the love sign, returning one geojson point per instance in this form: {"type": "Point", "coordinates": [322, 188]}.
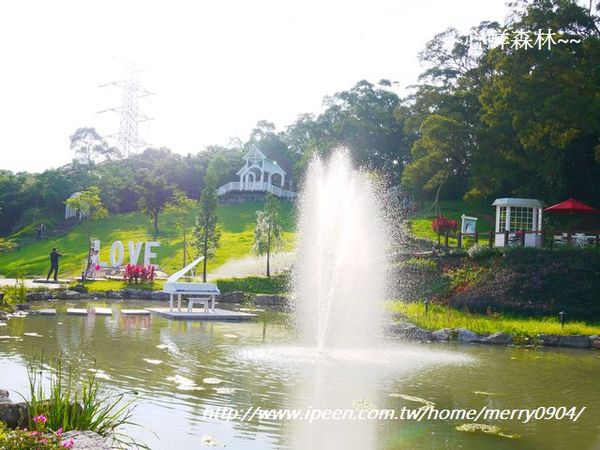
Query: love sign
{"type": "Point", "coordinates": [117, 252]}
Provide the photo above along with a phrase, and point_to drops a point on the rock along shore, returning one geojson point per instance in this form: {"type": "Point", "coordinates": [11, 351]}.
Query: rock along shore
{"type": "Point", "coordinates": [16, 415]}
{"type": "Point", "coordinates": [414, 333]}
{"type": "Point", "coordinates": [142, 294]}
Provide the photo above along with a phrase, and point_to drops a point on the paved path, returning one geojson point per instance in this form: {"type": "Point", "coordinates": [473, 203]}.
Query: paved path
{"type": "Point", "coordinates": [253, 265]}
{"type": "Point", "coordinates": [30, 284]}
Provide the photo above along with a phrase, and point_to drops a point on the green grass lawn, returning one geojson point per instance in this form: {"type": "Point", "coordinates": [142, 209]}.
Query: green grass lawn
{"type": "Point", "coordinates": [237, 233]}
{"type": "Point", "coordinates": [277, 284]}
{"type": "Point", "coordinates": [420, 224]}
{"type": "Point", "coordinates": [445, 317]}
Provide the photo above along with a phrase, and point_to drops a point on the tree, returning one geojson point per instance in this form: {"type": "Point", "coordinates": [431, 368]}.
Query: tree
{"type": "Point", "coordinates": [361, 119]}
{"type": "Point", "coordinates": [542, 107]}
{"type": "Point", "coordinates": [441, 157]}
{"type": "Point", "coordinates": [207, 232]}
{"type": "Point", "coordinates": [89, 147]}
{"type": "Point", "coordinates": [268, 230]}
{"type": "Point", "coordinates": [89, 207]}
{"type": "Point", "coordinates": [181, 208]}
{"type": "Point", "coordinates": [154, 193]}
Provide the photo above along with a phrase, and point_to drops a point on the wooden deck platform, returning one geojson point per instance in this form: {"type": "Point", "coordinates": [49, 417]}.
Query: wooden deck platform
{"type": "Point", "coordinates": [199, 314]}
{"type": "Point", "coordinates": [135, 312]}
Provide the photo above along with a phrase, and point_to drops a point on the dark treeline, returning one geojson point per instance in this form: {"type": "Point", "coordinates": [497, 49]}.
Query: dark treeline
{"type": "Point", "coordinates": [483, 121]}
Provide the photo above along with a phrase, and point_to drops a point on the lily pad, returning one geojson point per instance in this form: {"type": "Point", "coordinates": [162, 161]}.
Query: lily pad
{"type": "Point", "coordinates": [225, 390]}
{"type": "Point", "coordinates": [412, 398]}
{"type": "Point", "coordinates": [33, 335]}
{"type": "Point", "coordinates": [156, 362]}
{"type": "Point", "coordinates": [184, 384]}
{"type": "Point", "coordinates": [210, 441]}
{"type": "Point", "coordinates": [486, 429]}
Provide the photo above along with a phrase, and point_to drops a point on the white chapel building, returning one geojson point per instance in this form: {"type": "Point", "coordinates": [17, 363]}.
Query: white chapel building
{"type": "Point", "coordinates": [262, 173]}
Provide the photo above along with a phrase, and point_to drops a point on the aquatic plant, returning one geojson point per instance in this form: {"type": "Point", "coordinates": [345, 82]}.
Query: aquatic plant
{"type": "Point", "coordinates": [73, 403]}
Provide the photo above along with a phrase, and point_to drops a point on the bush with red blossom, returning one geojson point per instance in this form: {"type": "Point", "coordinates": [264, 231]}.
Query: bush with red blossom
{"type": "Point", "coordinates": [444, 225]}
{"type": "Point", "coordinates": [135, 273]}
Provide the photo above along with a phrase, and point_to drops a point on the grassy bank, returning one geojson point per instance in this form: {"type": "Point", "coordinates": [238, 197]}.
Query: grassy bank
{"type": "Point", "coordinates": [440, 316]}
{"type": "Point", "coordinates": [118, 285]}
{"type": "Point", "coordinates": [277, 284]}
{"type": "Point", "coordinates": [420, 224]}
{"type": "Point", "coordinates": [237, 233]}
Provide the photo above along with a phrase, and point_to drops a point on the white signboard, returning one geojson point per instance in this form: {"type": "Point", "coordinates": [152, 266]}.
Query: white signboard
{"type": "Point", "coordinates": [468, 224]}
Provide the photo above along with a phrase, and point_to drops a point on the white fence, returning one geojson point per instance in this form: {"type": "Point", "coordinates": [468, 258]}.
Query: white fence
{"type": "Point", "coordinates": [256, 186]}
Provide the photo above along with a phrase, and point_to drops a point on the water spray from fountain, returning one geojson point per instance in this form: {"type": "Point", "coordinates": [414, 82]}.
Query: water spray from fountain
{"type": "Point", "coordinates": [339, 276]}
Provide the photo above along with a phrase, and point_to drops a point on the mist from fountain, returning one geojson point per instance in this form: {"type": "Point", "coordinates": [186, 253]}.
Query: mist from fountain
{"type": "Point", "coordinates": [340, 271]}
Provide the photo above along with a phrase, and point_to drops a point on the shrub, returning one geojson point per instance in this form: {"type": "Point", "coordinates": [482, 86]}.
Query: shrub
{"type": "Point", "coordinates": [478, 253]}
{"type": "Point", "coordinates": [17, 293]}
{"type": "Point", "coordinates": [442, 225]}
{"type": "Point", "coordinates": [138, 272]}
{"type": "Point", "coordinates": [463, 277]}
{"type": "Point", "coordinates": [7, 245]}
{"type": "Point", "coordinates": [420, 265]}
{"type": "Point", "coordinates": [538, 282]}
{"type": "Point", "coordinates": [39, 438]}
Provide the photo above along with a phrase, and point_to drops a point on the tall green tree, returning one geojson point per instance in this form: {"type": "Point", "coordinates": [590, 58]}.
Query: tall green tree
{"type": "Point", "coordinates": [268, 231]}
{"type": "Point", "coordinates": [154, 192]}
{"type": "Point", "coordinates": [542, 107]}
{"type": "Point", "coordinates": [182, 209]}
{"type": "Point", "coordinates": [441, 156]}
{"type": "Point", "coordinates": [207, 233]}
{"type": "Point", "coordinates": [89, 207]}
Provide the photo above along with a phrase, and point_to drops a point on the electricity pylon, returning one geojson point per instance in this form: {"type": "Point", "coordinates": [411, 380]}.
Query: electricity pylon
{"type": "Point", "coordinates": [129, 140]}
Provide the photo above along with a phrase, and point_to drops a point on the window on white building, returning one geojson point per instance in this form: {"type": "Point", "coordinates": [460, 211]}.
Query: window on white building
{"type": "Point", "coordinates": [521, 218]}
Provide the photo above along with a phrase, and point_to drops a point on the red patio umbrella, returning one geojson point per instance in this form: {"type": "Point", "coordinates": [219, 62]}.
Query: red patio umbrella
{"type": "Point", "coordinates": [571, 206]}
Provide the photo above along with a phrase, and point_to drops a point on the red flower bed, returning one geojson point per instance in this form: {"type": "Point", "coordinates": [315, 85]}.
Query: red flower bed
{"type": "Point", "coordinates": [135, 273]}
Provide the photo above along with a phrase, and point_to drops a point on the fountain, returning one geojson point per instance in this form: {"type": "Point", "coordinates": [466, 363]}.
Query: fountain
{"type": "Point", "coordinates": [341, 264]}
{"type": "Point", "coordinates": [339, 286]}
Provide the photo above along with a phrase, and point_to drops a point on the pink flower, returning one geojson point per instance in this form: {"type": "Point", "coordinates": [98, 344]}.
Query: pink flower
{"type": "Point", "coordinates": [69, 443]}
{"type": "Point", "coordinates": [40, 419]}
{"type": "Point", "coordinates": [59, 432]}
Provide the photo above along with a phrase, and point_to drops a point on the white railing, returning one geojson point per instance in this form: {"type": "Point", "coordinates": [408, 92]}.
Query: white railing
{"type": "Point", "coordinates": [258, 186]}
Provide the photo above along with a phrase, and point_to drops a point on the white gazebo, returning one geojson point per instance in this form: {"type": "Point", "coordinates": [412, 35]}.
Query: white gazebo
{"type": "Point", "coordinates": [515, 216]}
{"type": "Point", "coordinates": [260, 174]}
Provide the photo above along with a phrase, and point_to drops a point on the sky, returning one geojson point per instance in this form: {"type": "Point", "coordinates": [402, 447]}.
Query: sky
{"type": "Point", "coordinates": [215, 67]}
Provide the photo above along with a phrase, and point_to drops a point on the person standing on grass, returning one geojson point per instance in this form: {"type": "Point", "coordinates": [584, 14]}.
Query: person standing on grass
{"type": "Point", "coordinates": [54, 255]}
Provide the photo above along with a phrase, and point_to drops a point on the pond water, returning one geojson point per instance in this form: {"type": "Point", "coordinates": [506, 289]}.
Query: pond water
{"type": "Point", "coordinates": [179, 368]}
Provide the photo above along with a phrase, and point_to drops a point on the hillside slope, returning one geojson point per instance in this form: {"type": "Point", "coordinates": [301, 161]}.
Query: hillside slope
{"type": "Point", "coordinates": [237, 223]}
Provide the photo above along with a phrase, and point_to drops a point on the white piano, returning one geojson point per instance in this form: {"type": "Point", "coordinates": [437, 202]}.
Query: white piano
{"type": "Point", "coordinates": [196, 292]}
